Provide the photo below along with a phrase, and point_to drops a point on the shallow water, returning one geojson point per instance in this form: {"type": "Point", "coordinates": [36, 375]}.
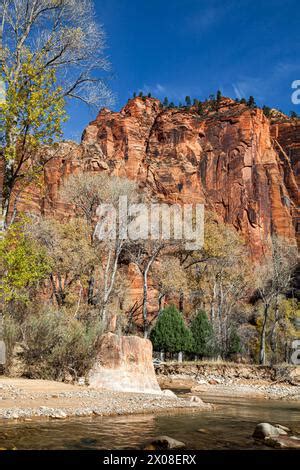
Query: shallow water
{"type": "Point", "coordinates": [230, 426]}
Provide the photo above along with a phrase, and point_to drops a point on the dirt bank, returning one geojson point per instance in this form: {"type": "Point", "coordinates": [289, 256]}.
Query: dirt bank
{"type": "Point", "coordinates": [237, 380]}
{"type": "Point", "coordinates": [27, 399]}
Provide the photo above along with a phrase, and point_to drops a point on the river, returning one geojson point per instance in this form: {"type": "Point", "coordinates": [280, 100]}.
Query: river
{"type": "Point", "coordinates": [230, 426]}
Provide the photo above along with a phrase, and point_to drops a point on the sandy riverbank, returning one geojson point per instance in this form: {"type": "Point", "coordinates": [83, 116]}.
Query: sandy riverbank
{"type": "Point", "coordinates": [28, 399]}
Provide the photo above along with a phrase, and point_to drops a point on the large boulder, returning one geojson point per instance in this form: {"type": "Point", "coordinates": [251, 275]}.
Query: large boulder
{"type": "Point", "coordinates": [124, 364]}
{"type": "Point", "coordinates": [164, 442]}
{"type": "Point", "coordinates": [264, 430]}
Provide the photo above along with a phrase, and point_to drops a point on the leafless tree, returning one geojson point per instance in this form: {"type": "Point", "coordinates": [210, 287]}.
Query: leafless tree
{"type": "Point", "coordinates": [86, 192]}
{"type": "Point", "coordinates": [273, 279]}
{"type": "Point", "coordinates": [62, 34]}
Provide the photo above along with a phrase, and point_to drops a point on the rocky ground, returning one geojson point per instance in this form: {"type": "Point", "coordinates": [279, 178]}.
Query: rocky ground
{"type": "Point", "coordinates": [232, 381]}
{"type": "Point", "coordinates": [27, 399]}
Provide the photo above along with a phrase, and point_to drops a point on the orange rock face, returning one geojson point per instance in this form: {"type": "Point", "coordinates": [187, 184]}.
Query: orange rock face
{"type": "Point", "coordinates": [231, 159]}
{"type": "Point", "coordinates": [227, 160]}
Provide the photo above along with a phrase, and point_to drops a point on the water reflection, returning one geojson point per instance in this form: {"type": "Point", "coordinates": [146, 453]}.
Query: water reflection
{"type": "Point", "coordinates": [230, 426]}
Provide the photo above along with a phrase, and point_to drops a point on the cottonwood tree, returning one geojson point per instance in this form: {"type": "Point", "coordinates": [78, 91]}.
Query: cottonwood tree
{"type": "Point", "coordinates": [220, 277]}
{"type": "Point", "coordinates": [143, 253]}
{"type": "Point", "coordinates": [87, 191]}
{"type": "Point", "coordinates": [50, 50]}
{"type": "Point", "coordinates": [70, 253]}
{"type": "Point", "coordinates": [273, 278]}
{"type": "Point", "coordinates": [170, 279]}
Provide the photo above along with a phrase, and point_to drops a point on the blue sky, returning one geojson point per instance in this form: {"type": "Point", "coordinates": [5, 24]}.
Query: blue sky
{"type": "Point", "coordinates": [176, 48]}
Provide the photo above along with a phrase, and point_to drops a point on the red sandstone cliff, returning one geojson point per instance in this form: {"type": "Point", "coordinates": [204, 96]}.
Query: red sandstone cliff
{"type": "Point", "coordinates": [232, 159]}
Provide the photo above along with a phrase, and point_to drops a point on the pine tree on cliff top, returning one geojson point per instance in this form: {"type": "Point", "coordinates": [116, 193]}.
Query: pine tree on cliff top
{"type": "Point", "coordinates": [203, 335]}
{"type": "Point", "coordinates": [170, 333]}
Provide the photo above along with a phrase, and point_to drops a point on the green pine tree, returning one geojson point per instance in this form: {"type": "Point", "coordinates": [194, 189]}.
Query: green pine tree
{"type": "Point", "coordinates": [134, 94]}
{"type": "Point", "coordinates": [219, 96]}
{"type": "Point", "coordinates": [234, 342]}
{"type": "Point", "coordinates": [266, 110]}
{"type": "Point", "coordinates": [200, 108]}
{"type": "Point", "coordinates": [166, 102]}
{"type": "Point", "coordinates": [188, 101]}
{"type": "Point", "coordinates": [203, 335]}
{"type": "Point", "coordinates": [170, 333]}
{"type": "Point", "coordinates": [251, 102]}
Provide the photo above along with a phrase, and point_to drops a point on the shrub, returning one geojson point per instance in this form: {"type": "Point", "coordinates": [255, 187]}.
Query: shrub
{"type": "Point", "coordinates": [56, 345]}
{"type": "Point", "coordinates": [11, 334]}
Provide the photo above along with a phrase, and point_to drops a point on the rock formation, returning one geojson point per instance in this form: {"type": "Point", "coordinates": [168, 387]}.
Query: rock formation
{"type": "Point", "coordinates": [124, 364]}
{"type": "Point", "coordinates": [232, 159]}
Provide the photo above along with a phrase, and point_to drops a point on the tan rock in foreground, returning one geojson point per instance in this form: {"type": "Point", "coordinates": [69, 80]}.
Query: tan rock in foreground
{"type": "Point", "coordinates": [124, 364]}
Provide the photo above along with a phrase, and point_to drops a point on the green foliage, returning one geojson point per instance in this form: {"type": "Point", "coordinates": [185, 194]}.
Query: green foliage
{"type": "Point", "coordinates": [23, 264]}
{"type": "Point", "coordinates": [149, 95]}
{"type": "Point", "coordinates": [171, 105]}
{"type": "Point", "coordinates": [200, 108]}
{"type": "Point", "coordinates": [166, 102]}
{"type": "Point", "coordinates": [266, 111]}
{"type": "Point", "coordinates": [293, 115]}
{"type": "Point", "coordinates": [134, 94]}
{"type": "Point", "coordinates": [234, 342]}
{"type": "Point", "coordinates": [251, 102]}
{"type": "Point", "coordinates": [56, 345]}
{"type": "Point", "coordinates": [188, 101]}
{"type": "Point", "coordinates": [243, 101]}
{"type": "Point", "coordinates": [170, 332]}
{"type": "Point", "coordinates": [219, 96]}
{"type": "Point", "coordinates": [34, 108]}
{"type": "Point", "coordinates": [141, 94]}
{"type": "Point", "coordinates": [203, 335]}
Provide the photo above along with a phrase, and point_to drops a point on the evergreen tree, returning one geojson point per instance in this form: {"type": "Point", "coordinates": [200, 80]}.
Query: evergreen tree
{"type": "Point", "coordinates": [188, 101]}
{"type": "Point", "coordinates": [195, 102]}
{"type": "Point", "coordinates": [134, 94]}
{"type": "Point", "coordinates": [293, 115]}
{"type": "Point", "coordinates": [251, 102]}
{"type": "Point", "coordinates": [171, 105]}
{"type": "Point", "coordinates": [166, 102]}
{"type": "Point", "coordinates": [170, 333]}
{"type": "Point", "coordinates": [219, 96]}
{"type": "Point", "coordinates": [234, 342]}
{"type": "Point", "coordinates": [200, 108]}
{"type": "Point", "coordinates": [141, 94]}
{"type": "Point", "coordinates": [243, 101]}
{"type": "Point", "coordinates": [149, 95]}
{"type": "Point", "coordinates": [266, 111]}
{"type": "Point", "coordinates": [203, 335]}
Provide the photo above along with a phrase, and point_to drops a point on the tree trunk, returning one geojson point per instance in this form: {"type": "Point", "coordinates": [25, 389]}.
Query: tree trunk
{"type": "Point", "coordinates": [180, 356]}
{"type": "Point", "coordinates": [145, 303]}
{"type": "Point", "coordinates": [181, 302]}
{"type": "Point", "coordinates": [262, 349]}
{"type": "Point", "coordinates": [160, 301]}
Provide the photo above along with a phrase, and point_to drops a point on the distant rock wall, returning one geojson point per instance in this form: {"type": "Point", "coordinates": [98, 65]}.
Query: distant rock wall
{"type": "Point", "coordinates": [124, 364]}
